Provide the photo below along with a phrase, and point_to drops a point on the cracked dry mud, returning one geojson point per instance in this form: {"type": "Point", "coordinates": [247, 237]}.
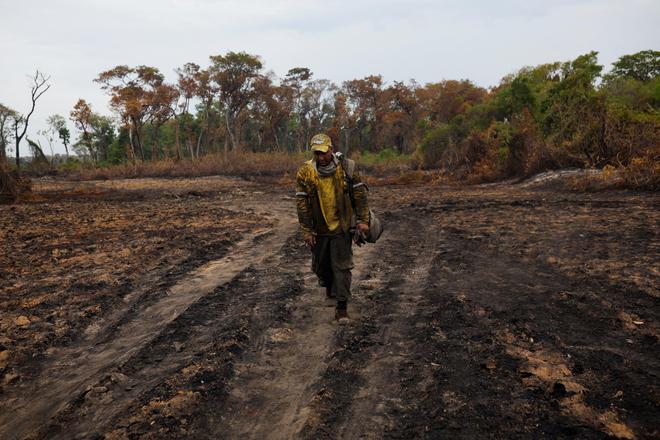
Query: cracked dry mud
{"type": "Point", "coordinates": [167, 309]}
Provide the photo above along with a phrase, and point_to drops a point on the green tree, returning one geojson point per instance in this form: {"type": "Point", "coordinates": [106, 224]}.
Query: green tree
{"type": "Point", "coordinates": [368, 101]}
{"type": "Point", "coordinates": [235, 74]}
{"type": "Point", "coordinates": [132, 91]}
{"type": "Point", "coordinates": [81, 115]}
{"type": "Point", "coordinates": [103, 134]}
{"type": "Point", "coordinates": [642, 66]}
{"type": "Point", "coordinates": [96, 132]}
{"type": "Point", "coordinates": [118, 151]}
{"type": "Point", "coordinates": [296, 80]}
{"type": "Point", "coordinates": [515, 97]}
{"type": "Point", "coordinates": [57, 124]}
{"type": "Point", "coordinates": [7, 115]}
{"type": "Point", "coordinates": [434, 145]}
{"type": "Point", "coordinates": [188, 87]}
{"type": "Point", "coordinates": [574, 114]}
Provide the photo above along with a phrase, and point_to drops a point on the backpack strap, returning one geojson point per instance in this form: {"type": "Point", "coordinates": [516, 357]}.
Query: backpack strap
{"type": "Point", "coordinates": [347, 164]}
{"type": "Point", "coordinates": [349, 168]}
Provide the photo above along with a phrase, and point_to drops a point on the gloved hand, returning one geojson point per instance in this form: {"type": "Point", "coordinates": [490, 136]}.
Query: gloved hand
{"type": "Point", "coordinates": [358, 237]}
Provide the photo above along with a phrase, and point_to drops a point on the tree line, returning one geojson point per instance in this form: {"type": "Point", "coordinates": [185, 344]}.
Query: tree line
{"type": "Point", "coordinates": [548, 116]}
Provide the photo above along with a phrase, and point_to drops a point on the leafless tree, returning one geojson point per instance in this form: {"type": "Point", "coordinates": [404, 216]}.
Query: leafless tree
{"type": "Point", "coordinates": [39, 86]}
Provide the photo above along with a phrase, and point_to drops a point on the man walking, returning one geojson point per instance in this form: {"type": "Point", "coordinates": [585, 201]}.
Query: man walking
{"type": "Point", "coordinates": [327, 198]}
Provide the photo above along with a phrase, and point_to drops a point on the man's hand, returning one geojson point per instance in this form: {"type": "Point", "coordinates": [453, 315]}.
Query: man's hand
{"type": "Point", "coordinates": [361, 230]}
{"type": "Point", "coordinates": [310, 239]}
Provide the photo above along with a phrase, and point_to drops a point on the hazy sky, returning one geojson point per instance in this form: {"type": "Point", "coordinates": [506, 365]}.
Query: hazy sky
{"type": "Point", "coordinates": [74, 40]}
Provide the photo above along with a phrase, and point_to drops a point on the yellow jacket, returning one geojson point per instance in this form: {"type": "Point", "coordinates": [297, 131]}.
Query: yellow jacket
{"type": "Point", "coordinates": [310, 214]}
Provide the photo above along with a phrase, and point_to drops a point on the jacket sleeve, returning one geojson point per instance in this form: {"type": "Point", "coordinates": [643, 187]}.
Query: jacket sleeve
{"type": "Point", "coordinates": [303, 205]}
{"type": "Point", "coordinates": [360, 191]}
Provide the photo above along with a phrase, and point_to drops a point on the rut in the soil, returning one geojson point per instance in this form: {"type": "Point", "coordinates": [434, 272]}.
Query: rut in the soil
{"type": "Point", "coordinates": [269, 390]}
{"type": "Point", "coordinates": [78, 370]}
{"type": "Point", "coordinates": [277, 376]}
{"type": "Point", "coordinates": [223, 322]}
{"type": "Point", "coordinates": [358, 386]}
{"type": "Point", "coordinates": [281, 380]}
{"type": "Point", "coordinates": [374, 403]}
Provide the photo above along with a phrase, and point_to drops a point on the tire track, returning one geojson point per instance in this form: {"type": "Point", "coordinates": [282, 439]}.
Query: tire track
{"type": "Point", "coordinates": [356, 385]}
{"type": "Point", "coordinates": [75, 369]}
{"type": "Point", "coordinates": [278, 375]}
{"type": "Point", "coordinates": [376, 402]}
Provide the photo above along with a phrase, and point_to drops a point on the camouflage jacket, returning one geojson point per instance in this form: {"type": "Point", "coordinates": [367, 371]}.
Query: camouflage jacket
{"type": "Point", "coordinates": [310, 215]}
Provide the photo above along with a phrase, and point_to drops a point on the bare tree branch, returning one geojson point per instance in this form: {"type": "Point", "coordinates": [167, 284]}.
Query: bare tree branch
{"type": "Point", "coordinates": [39, 87]}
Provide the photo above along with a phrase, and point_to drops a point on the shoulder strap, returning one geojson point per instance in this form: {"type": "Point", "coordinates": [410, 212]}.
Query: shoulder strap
{"type": "Point", "coordinates": [349, 167]}
{"type": "Point", "coordinates": [347, 164]}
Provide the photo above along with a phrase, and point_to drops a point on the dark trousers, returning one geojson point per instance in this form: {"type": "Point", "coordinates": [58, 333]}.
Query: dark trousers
{"type": "Point", "coordinates": [332, 261]}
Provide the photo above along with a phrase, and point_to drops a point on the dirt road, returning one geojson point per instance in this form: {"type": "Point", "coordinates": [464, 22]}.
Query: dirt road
{"type": "Point", "coordinates": [488, 312]}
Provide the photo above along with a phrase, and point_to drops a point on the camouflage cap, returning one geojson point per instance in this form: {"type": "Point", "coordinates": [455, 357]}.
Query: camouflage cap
{"type": "Point", "coordinates": [320, 142]}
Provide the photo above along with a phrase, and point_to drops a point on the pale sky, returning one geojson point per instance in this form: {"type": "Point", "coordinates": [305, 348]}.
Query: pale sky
{"type": "Point", "coordinates": [74, 40]}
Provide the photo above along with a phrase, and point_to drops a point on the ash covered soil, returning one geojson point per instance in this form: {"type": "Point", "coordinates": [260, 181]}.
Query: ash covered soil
{"type": "Point", "coordinates": [168, 309]}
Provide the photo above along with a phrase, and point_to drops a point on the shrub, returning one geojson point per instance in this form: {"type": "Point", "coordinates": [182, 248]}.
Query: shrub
{"type": "Point", "coordinates": [8, 186]}
{"type": "Point", "coordinates": [642, 173]}
{"type": "Point", "coordinates": [236, 164]}
{"type": "Point", "coordinates": [13, 185]}
{"type": "Point", "coordinates": [434, 145]}
{"type": "Point", "coordinates": [386, 162]}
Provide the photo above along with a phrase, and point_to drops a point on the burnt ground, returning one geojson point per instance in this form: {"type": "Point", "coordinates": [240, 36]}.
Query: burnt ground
{"type": "Point", "coordinates": [167, 309]}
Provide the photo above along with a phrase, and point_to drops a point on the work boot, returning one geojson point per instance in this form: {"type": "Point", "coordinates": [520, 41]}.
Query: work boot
{"type": "Point", "coordinates": [341, 312]}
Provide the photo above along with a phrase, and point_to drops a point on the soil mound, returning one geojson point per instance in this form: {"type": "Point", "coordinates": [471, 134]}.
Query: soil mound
{"type": "Point", "coordinates": [556, 180]}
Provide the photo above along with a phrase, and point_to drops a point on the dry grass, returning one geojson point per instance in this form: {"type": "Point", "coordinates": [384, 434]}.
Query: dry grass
{"type": "Point", "coordinates": [235, 164]}
{"type": "Point", "coordinates": [280, 167]}
{"type": "Point", "coordinates": [598, 180]}
{"type": "Point", "coordinates": [407, 178]}
{"type": "Point", "coordinates": [13, 186]}
{"type": "Point", "coordinates": [643, 173]}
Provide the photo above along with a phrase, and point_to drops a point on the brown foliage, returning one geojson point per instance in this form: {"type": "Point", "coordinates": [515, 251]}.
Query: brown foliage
{"type": "Point", "coordinates": [8, 186]}
{"type": "Point", "coordinates": [137, 94]}
{"type": "Point", "coordinates": [13, 186]}
{"type": "Point", "coordinates": [642, 173]}
{"type": "Point", "coordinates": [530, 153]}
{"type": "Point", "coordinates": [444, 100]}
{"type": "Point", "coordinates": [628, 137]}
